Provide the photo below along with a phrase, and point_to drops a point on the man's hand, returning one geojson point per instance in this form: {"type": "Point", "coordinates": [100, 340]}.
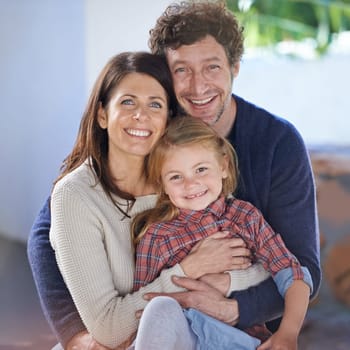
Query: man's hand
{"type": "Point", "coordinates": [204, 298]}
{"type": "Point", "coordinates": [219, 281]}
{"type": "Point", "coordinates": [84, 341]}
{"type": "Point", "coordinates": [216, 254]}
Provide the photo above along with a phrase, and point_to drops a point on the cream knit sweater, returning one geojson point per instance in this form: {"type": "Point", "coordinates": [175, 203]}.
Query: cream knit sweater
{"type": "Point", "coordinates": [94, 252]}
{"type": "Point", "coordinates": [93, 248]}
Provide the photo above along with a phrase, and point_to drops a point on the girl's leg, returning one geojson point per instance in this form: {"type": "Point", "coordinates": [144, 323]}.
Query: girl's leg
{"type": "Point", "coordinates": [164, 326]}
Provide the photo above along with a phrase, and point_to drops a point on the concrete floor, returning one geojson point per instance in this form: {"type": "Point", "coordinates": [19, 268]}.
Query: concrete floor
{"type": "Point", "coordinates": [22, 324]}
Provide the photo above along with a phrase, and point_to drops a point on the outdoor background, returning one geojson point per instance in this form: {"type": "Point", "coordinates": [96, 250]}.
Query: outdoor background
{"type": "Point", "coordinates": [51, 53]}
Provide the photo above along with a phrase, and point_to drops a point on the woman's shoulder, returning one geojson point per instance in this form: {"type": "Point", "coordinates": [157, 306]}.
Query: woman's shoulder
{"type": "Point", "coordinates": [83, 178]}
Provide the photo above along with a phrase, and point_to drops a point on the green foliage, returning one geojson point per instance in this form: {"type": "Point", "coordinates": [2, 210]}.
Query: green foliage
{"type": "Point", "coordinates": [268, 22]}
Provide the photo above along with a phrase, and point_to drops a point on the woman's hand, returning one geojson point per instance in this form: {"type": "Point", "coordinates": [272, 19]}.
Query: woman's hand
{"type": "Point", "coordinates": [84, 341]}
{"type": "Point", "coordinates": [215, 254]}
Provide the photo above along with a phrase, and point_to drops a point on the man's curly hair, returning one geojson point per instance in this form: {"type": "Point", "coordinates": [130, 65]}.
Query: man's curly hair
{"type": "Point", "coordinates": [187, 22]}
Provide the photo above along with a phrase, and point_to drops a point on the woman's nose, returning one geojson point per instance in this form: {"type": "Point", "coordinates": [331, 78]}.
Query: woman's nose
{"type": "Point", "coordinates": [139, 113]}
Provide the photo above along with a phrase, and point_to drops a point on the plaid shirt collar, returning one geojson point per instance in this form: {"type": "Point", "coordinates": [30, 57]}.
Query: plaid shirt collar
{"type": "Point", "coordinates": [216, 208]}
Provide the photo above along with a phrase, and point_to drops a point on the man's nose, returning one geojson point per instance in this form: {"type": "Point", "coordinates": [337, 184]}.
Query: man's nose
{"type": "Point", "coordinates": [198, 83]}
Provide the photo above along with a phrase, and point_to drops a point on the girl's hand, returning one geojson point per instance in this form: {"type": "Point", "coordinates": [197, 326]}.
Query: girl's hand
{"type": "Point", "coordinates": [215, 254]}
{"type": "Point", "coordinates": [280, 341]}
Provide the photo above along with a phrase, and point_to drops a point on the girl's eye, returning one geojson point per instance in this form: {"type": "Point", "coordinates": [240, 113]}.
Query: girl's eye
{"type": "Point", "coordinates": [155, 105]}
{"type": "Point", "coordinates": [175, 178]}
{"type": "Point", "coordinates": [202, 169]}
{"type": "Point", "coordinates": [127, 102]}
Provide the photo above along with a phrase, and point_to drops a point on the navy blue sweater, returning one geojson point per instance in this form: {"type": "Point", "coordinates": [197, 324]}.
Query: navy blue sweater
{"type": "Point", "coordinates": [276, 177]}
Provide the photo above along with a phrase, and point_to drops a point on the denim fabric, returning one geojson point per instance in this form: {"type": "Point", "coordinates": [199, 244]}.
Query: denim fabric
{"type": "Point", "coordinates": [213, 334]}
{"type": "Point", "coordinates": [284, 279]}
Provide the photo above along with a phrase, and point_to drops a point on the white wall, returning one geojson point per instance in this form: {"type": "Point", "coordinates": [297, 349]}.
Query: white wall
{"type": "Point", "coordinates": [311, 94]}
{"type": "Point", "coordinates": [42, 93]}
{"type": "Point", "coordinates": [113, 26]}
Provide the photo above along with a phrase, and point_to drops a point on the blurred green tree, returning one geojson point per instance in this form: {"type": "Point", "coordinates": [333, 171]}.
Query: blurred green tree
{"type": "Point", "coordinates": [268, 22]}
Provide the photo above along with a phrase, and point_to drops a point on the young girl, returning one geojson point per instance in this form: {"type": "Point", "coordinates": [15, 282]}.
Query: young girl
{"type": "Point", "coordinates": [196, 173]}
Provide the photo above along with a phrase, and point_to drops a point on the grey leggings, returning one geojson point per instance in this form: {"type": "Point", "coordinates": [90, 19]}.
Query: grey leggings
{"type": "Point", "coordinates": [163, 325]}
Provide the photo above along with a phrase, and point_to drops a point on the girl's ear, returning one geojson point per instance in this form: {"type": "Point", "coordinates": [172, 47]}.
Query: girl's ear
{"type": "Point", "coordinates": [102, 117]}
{"type": "Point", "coordinates": [224, 168]}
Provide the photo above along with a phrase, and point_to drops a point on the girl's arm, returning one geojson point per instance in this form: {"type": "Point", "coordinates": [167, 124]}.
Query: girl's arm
{"type": "Point", "coordinates": [296, 304]}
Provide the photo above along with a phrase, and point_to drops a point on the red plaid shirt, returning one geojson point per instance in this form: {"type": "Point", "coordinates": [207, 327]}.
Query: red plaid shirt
{"type": "Point", "coordinates": [167, 243]}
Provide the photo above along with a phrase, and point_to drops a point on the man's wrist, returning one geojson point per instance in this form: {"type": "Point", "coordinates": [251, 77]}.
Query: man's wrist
{"type": "Point", "coordinates": [233, 317]}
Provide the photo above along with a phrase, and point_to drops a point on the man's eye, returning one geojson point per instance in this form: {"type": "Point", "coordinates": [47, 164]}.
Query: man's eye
{"type": "Point", "coordinates": [180, 70]}
{"type": "Point", "coordinates": [213, 67]}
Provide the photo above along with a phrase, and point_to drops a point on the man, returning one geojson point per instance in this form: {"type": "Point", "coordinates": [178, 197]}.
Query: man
{"type": "Point", "coordinates": [203, 45]}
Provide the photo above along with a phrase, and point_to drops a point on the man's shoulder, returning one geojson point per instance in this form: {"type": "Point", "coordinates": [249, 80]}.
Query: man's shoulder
{"type": "Point", "coordinates": [258, 123]}
{"type": "Point", "coordinates": [251, 112]}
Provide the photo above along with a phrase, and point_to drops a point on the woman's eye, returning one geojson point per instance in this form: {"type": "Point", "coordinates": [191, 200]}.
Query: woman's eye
{"type": "Point", "coordinates": [156, 105]}
{"type": "Point", "coordinates": [127, 102]}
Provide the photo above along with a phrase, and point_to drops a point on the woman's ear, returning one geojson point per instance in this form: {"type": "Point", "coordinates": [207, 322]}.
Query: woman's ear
{"type": "Point", "coordinates": [102, 117]}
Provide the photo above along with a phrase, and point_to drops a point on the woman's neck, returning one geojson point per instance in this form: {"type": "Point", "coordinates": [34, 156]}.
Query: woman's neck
{"type": "Point", "coordinates": [129, 175]}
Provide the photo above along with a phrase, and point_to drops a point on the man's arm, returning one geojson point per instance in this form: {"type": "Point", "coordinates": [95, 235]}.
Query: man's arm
{"type": "Point", "coordinates": [290, 209]}
{"type": "Point", "coordinates": [55, 299]}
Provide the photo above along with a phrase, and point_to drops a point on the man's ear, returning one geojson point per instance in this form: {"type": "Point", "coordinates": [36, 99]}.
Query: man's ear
{"type": "Point", "coordinates": [102, 117]}
{"type": "Point", "coordinates": [235, 69]}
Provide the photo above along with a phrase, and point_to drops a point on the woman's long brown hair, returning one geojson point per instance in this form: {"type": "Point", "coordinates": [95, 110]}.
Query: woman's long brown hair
{"type": "Point", "coordinates": [92, 141]}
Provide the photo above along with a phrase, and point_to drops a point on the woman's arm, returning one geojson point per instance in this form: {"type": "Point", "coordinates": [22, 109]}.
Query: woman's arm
{"type": "Point", "coordinates": [55, 299]}
{"type": "Point", "coordinates": [93, 251]}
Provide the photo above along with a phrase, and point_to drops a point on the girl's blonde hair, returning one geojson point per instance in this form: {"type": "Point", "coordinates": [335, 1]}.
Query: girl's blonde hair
{"type": "Point", "coordinates": [182, 131]}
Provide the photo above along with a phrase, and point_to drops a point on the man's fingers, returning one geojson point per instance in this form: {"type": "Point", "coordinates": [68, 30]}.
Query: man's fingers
{"type": "Point", "coordinates": [237, 242]}
{"type": "Point", "coordinates": [189, 283]}
{"type": "Point", "coordinates": [185, 282]}
{"type": "Point", "coordinates": [219, 235]}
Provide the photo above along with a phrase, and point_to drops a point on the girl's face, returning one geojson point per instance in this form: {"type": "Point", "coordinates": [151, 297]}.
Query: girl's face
{"type": "Point", "coordinates": [192, 176]}
{"type": "Point", "coordinates": [136, 115]}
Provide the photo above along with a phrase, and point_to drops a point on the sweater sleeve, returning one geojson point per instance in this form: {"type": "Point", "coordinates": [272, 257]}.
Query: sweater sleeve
{"type": "Point", "coordinates": [55, 299]}
{"type": "Point", "coordinates": [291, 210]}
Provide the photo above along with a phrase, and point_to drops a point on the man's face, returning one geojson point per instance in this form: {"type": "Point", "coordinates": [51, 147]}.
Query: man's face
{"type": "Point", "coordinates": [203, 79]}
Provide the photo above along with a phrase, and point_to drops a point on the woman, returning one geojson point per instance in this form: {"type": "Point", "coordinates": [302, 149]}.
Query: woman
{"type": "Point", "coordinates": [103, 184]}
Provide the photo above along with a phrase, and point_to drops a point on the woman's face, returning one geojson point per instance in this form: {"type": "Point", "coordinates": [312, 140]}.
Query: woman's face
{"type": "Point", "coordinates": [136, 115]}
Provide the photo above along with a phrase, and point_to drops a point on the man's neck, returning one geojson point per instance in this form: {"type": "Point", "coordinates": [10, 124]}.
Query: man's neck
{"type": "Point", "coordinates": [225, 123]}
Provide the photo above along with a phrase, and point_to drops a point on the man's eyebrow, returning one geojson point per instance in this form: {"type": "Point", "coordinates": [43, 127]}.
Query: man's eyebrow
{"type": "Point", "coordinates": [208, 59]}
